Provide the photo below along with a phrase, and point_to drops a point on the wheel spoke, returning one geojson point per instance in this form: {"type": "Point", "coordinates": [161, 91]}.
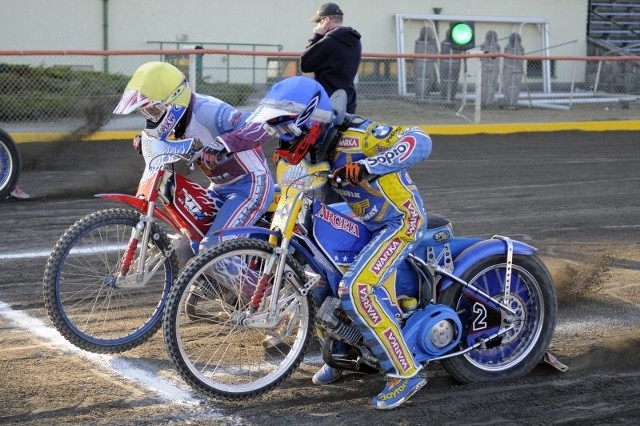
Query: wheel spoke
{"type": "Point", "coordinates": [83, 291]}
{"type": "Point", "coordinates": [215, 344]}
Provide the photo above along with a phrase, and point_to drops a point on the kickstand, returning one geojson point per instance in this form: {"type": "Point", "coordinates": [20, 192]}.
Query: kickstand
{"type": "Point", "coordinates": [550, 359]}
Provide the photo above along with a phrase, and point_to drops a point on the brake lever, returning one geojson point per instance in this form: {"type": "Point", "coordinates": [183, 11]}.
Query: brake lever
{"type": "Point", "coordinates": [335, 179]}
{"type": "Point", "coordinates": [192, 161]}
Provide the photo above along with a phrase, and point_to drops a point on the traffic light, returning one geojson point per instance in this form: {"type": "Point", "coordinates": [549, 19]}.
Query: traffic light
{"type": "Point", "coordinates": [462, 35]}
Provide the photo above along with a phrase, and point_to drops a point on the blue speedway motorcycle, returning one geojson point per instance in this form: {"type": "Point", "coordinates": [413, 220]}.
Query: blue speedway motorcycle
{"type": "Point", "coordinates": [240, 317]}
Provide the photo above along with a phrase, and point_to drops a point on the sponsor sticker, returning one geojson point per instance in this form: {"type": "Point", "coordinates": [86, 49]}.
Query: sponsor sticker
{"type": "Point", "coordinates": [365, 302]}
{"type": "Point", "coordinates": [397, 349]}
{"type": "Point", "coordinates": [348, 142]}
{"type": "Point", "coordinates": [387, 254]}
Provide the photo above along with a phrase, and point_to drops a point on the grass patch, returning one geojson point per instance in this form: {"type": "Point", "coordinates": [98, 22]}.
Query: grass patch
{"type": "Point", "coordinates": [37, 93]}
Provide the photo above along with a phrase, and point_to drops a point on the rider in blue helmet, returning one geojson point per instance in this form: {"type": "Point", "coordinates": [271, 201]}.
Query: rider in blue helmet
{"type": "Point", "coordinates": [297, 110]}
{"type": "Point", "coordinates": [369, 171]}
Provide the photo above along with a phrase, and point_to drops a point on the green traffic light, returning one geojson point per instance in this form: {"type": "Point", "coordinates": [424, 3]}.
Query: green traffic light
{"type": "Point", "coordinates": [461, 33]}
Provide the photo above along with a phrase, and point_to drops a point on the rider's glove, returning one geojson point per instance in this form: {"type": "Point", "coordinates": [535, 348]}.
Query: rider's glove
{"type": "Point", "coordinates": [352, 172]}
{"type": "Point", "coordinates": [211, 150]}
{"type": "Point", "coordinates": [211, 155]}
{"type": "Point", "coordinates": [275, 157]}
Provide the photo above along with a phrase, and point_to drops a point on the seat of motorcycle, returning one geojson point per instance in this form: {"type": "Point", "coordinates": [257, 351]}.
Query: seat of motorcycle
{"type": "Point", "coordinates": [435, 221]}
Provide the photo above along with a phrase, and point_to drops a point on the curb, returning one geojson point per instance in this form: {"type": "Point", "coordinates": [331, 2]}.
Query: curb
{"type": "Point", "coordinates": [436, 129]}
{"type": "Point", "coordinates": [506, 128]}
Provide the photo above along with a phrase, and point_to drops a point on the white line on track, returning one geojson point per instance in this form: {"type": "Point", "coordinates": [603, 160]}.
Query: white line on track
{"type": "Point", "coordinates": [25, 255]}
{"type": "Point", "coordinates": [162, 387]}
{"type": "Point", "coordinates": [46, 253]}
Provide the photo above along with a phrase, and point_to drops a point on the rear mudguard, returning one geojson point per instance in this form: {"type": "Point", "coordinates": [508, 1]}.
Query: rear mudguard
{"type": "Point", "coordinates": [481, 250]}
{"type": "Point", "coordinates": [141, 206]}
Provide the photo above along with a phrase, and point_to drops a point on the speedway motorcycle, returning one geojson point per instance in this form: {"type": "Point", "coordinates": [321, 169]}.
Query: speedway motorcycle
{"type": "Point", "coordinates": [484, 308]}
{"type": "Point", "coordinates": [107, 278]}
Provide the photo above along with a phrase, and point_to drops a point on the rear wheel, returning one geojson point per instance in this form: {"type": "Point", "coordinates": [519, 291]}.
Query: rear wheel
{"type": "Point", "coordinates": [517, 352]}
{"type": "Point", "coordinates": [215, 342]}
{"type": "Point", "coordinates": [86, 296]}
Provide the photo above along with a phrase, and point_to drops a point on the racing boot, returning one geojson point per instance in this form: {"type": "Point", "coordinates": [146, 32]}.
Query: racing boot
{"type": "Point", "coordinates": [19, 193]}
{"type": "Point", "coordinates": [397, 391]}
{"type": "Point", "coordinates": [326, 375]}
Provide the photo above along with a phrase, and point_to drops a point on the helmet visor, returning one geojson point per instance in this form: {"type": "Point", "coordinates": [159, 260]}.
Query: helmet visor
{"type": "Point", "coordinates": [130, 101]}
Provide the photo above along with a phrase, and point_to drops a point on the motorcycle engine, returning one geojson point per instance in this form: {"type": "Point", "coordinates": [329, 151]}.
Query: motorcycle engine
{"type": "Point", "coordinates": [328, 316]}
{"type": "Point", "coordinates": [433, 331]}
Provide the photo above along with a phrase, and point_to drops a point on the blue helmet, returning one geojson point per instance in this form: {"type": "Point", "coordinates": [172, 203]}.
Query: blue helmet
{"type": "Point", "coordinates": [298, 111]}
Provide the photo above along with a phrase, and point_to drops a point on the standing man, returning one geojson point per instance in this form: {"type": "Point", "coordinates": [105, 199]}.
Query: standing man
{"type": "Point", "coordinates": [333, 54]}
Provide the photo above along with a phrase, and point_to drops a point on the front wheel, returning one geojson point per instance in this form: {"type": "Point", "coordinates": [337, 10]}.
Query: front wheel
{"type": "Point", "coordinates": [9, 164]}
{"type": "Point", "coordinates": [93, 301]}
{"type": "Point", "coordinates": [219, 345]}
{"type": "Point", "coordinates": [516, 352]}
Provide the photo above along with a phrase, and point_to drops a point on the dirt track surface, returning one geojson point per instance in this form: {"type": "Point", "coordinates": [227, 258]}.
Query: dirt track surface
{"type": "Point", "coordinates": [575, 196]}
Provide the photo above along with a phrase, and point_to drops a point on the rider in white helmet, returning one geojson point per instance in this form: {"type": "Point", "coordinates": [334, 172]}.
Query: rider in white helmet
{"type": "Point", "coordinates": [241, 184]}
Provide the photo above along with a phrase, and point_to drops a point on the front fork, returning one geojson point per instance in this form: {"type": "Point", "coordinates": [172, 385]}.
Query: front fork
{"type": "Point", "coordinates": [277, 262]}
{"type": "Point", "coordinates": [273, 269]}
{"type": "Point", "coordinates": [140, 235]}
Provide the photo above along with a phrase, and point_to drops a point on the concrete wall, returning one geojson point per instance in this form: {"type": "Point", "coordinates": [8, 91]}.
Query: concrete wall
{"type": "Point", "coordinates": [131, 24]}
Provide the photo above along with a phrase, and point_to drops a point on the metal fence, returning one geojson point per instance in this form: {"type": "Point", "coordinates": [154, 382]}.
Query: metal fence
{"type": "Point", "coordinates": [75, 91]}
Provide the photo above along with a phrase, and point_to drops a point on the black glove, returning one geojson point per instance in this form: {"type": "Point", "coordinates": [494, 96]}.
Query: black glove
{"type": "Point", "coordinates": [352, 172]}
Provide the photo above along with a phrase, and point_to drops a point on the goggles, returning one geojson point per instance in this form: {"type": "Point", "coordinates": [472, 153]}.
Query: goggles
{"type": "Point", "coordinates": [154, 111]}
{"type": "Point", "coordinates": [283, 127]}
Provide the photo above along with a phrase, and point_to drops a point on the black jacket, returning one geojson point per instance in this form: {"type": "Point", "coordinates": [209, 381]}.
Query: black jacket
{"type": "Point", "coordinates": [334, 59]}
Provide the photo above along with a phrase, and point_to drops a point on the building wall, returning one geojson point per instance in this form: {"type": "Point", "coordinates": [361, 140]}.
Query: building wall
{"type": "Point", "coordinates": [79, 24]}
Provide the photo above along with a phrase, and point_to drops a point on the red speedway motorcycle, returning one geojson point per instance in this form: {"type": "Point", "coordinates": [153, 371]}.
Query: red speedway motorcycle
{"type": "Point", "coordinates": [108, 276]}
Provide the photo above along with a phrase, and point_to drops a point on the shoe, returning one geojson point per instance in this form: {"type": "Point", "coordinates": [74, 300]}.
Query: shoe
{"type": "Point", "coordinates": [397, 391]}
{"type": "Point", "coordinates": [19, 193]}
{"type": "Point", "coordinates": [326, 375]}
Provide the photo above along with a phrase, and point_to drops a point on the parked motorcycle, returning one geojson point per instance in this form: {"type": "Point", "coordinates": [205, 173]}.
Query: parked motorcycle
{"type": "Point", "coordinates": [107, 278]}
{"type": "Point", "coordinates": [484, 308]}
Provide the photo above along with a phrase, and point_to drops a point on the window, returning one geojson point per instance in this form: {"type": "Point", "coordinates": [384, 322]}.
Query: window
{"type": "Point", "coordinates": [534, 68]}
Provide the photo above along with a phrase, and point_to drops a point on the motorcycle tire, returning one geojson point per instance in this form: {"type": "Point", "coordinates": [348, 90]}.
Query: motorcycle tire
{"type": "Point", "coordinates": [516, 353]}
{"type": "Point", "coordinates": [82, 296]}
{"type": "Point", "coordinates": [205, 322]}
{"type": "Point", "coordinates": [10, 164]}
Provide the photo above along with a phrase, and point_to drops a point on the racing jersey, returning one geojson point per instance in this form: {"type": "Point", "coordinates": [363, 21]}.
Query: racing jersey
{"type": "Point", "coordinates": [239, 143]}
{"type": "Point", "coordinates": [383, 150]}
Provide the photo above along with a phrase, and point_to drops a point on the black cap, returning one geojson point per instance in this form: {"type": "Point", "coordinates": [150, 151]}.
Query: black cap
{"type": "Point", "coordinates": [327, 9]}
